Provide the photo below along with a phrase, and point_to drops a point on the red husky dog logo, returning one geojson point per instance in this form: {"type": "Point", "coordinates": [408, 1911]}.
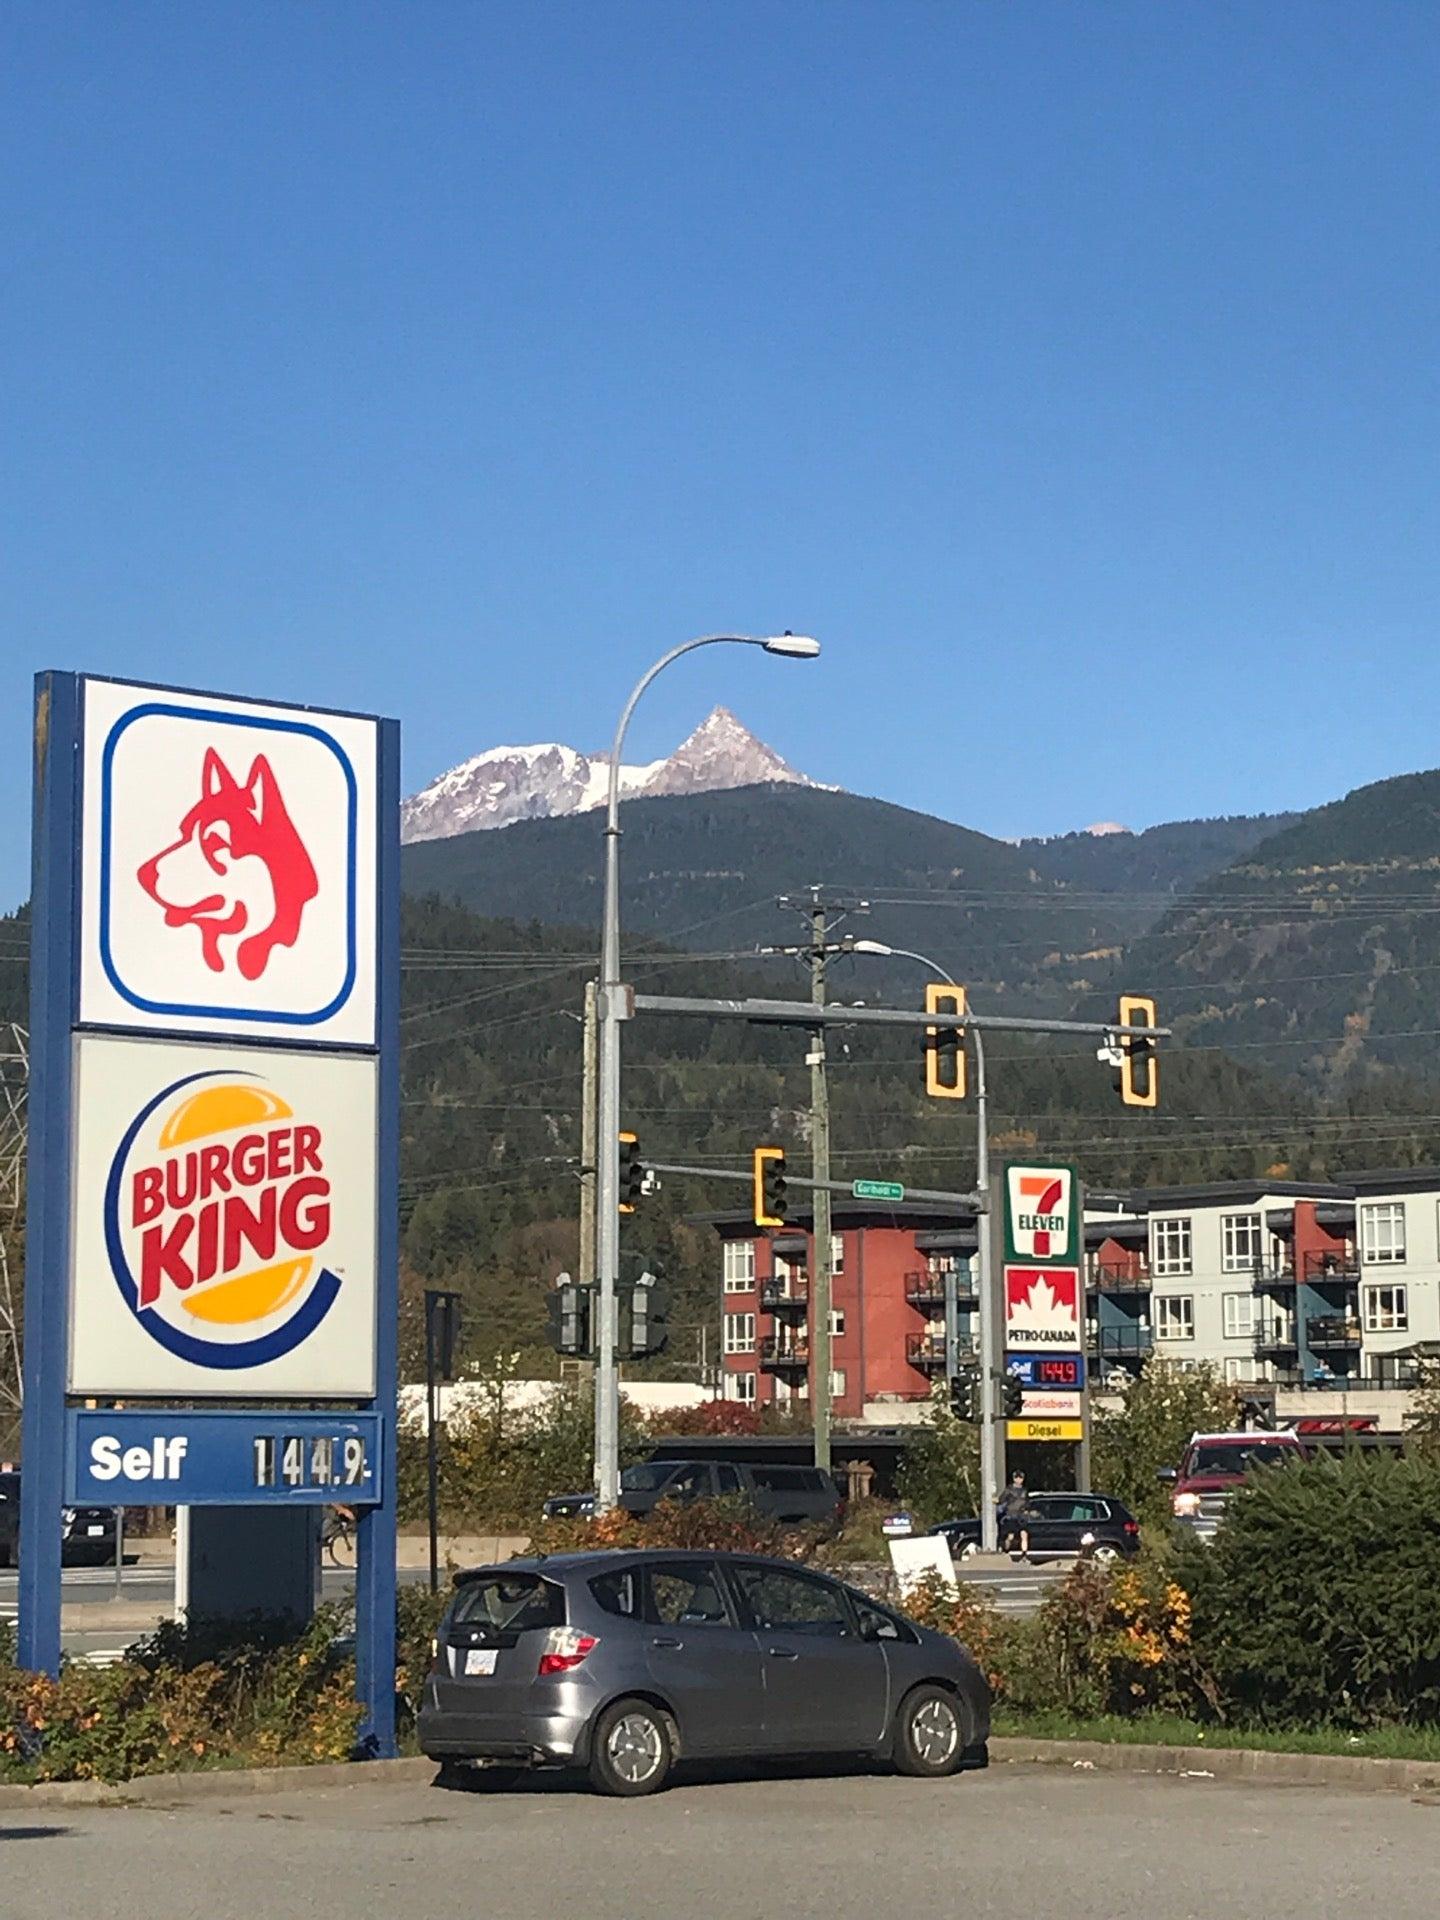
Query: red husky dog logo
{"type": "Point", "coordinates": [238, 867]}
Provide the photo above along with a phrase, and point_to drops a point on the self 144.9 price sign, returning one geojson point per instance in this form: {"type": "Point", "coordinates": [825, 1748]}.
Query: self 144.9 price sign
{"type": "Point", "coordinates": [209, 1458]}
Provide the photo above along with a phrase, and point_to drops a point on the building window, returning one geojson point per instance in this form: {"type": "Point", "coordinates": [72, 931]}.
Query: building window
{"type": "Point", "coordinates": [837, 1383]}
{"type": "Point", "coordinates": [1239, 1309]}
{"type": "Point", "coordinates": [837, 1323]}
{"type": "Point", "coordinates": [1387, 1310]}
{"type": "Point", "coordinates": [739, 1333]}
{"type": "Point", "coordinates": [1240, 1242]}
{"type": "Point", "coordinates": [1382, 1233]}
{"type": "Point", "coordinates": [837, 1253]}
{"type": "Point", "coordinates": [1237, 1370]}
{"type": "Point", "coordinates": [739, 1266]}
{"type": "Point", "coordinates": [1175, 1316]}
{"type": "Point", "coordinates": [1170, 1247]}
{"type": "Point", "coordinates": [742, 1387]}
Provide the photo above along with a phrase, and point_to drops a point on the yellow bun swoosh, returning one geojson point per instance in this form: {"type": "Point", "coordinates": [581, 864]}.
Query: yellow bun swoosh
{"type": "Point", "coordinates": [217, 1109]}
{"type": "Point", "coordinates": [249, 1296]}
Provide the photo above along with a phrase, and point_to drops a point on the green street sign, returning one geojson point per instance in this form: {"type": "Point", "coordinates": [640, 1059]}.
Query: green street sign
{"type": "Point", "coordinates": [878, 1190]}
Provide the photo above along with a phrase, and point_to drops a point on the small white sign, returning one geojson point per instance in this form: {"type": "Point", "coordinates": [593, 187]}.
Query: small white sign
{"type": "Point", "coordinates": [228, 867]}
{"type": "Point", "coordinates": [924, 1556]}
{"type": "Point", "coordinates": [1043, 1402]}
{"type": "Point", "coordinates": [223, 1221]}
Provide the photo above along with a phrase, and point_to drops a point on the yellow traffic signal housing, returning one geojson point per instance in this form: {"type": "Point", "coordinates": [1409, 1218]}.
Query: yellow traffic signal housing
{"type": "Point", "coordinates": [944, 1046]}
{"type": "Point", "coordinates": [1139, 1067]}
{"type": "Point", "coordinates": [770, 1183]}
{"type": "Point", "coordinates": [632, 1173]}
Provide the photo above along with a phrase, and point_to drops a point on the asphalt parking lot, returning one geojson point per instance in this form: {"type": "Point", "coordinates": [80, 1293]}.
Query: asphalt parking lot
{"type": "Point", "coordinates": [1013, 1841]}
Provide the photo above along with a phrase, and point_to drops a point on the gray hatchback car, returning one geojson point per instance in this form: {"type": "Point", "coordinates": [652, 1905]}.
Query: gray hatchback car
{"type": "Point", "coordinates": [624, 1663]}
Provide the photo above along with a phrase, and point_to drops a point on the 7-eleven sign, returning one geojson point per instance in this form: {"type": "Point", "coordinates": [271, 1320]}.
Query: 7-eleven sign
{"type": "Point", "coordinates": [1040, 1212]}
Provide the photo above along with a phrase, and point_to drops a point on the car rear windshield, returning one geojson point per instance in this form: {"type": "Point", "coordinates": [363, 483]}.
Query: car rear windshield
{"type": "Point", "coordinates": [511, 1602]}
{"type": "Point", "coordinates": [1264, 1453]}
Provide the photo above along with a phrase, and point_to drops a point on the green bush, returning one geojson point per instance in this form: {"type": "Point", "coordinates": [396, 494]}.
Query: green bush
{"type": "Point", "coordinates": [939, 1475]}
{"type": "Point", "coordinates": [1316, 1602]}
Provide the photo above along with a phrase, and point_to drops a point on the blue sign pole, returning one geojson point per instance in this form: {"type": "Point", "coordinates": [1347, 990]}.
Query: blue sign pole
{"type": "Point", "coordinates": [54, 910]}
{"type": "Point", "coordinates": [376, 1543]}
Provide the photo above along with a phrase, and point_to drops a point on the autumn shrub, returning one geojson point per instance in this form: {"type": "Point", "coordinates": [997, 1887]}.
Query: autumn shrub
{"type": "Point", "coordinates": [967, 1613]}
{"type": "Point", "coordinates": [715, 1526]}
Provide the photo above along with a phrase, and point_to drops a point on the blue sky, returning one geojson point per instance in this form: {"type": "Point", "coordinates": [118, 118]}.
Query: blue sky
{"type": "Point", "coordinates": [452, 360]}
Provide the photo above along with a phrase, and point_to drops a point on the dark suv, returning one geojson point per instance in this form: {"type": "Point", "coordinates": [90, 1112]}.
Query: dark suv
{"type": "Point", "coordinates": [87, 1533]}
{"type": "Point", "coordinates": [1090, 1525]}
{"type": "Point", "coordinates": [789, 1494]}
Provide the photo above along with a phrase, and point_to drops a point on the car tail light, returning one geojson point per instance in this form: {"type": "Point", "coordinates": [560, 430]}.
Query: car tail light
{"type": "Point", "coordinates": [1131, 1526]}
{"type": "Point", "coordinates": [565, 1648]}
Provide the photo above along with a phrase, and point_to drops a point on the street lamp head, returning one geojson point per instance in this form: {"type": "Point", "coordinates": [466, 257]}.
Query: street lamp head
{"type": "Point", "coordinates": [871, 946]}
{"type": "Point", "coordinates": [795, 646]}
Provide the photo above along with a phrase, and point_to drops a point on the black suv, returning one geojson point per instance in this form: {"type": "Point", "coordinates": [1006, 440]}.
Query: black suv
{"type": "Point", "coordinates": [87, 1533]}
{"type": "Point", "coordinates": [788, 1494]}
{"type": "Point", "coordinates": [1090, 1525]}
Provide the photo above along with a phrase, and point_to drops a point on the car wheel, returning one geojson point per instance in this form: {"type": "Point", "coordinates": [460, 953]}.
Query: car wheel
{"type": "Point", "coordinates": [1103, 1554]}
{"type": "Point", "coordinates": [930, 1734]}
{"type": "Point", "coordinates": [630, 1752]}
{"type": "Point", "coordinates": [969, 1550]}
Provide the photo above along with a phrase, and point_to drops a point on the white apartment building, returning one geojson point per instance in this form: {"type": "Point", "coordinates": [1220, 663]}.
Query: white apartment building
{"type": "Point", "coordinates": [1299, 1284]}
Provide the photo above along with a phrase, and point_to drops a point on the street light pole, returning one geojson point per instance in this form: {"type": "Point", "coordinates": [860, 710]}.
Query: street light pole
{"type": "Point", "coordinates": [612, 1012]}
{"type": "Point", "coordinates": [989, 1318]}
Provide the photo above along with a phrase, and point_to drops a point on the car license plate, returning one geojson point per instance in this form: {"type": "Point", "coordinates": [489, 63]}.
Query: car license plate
{"type": "Point", "coordinates": [95, 1533]}
{"type": "Point", "coordinates": [480, 1660]}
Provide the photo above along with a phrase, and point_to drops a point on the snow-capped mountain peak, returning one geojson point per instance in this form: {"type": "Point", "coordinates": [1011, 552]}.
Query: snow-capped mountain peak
{"type": "Point", "coordinates": [505, 784]}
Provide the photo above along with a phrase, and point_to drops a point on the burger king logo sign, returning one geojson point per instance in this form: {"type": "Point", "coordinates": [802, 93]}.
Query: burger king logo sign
{"type": "Point", "coordinates": [228, 1220]}
{"type": "Point", "coordinates": [217, 1211]}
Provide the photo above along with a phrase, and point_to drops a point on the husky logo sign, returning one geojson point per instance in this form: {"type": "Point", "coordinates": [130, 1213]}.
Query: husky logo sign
{"type": "Point", "coordinates": [228, 867]}
{"type": "Point", "coordinates": [238, 869]}
{"type": "Point", "coordinates": [1042, 1308]}
{"type": "Point", "coordinates": [231, 1207]}
{"type": "Point", "coordinates": [1040, 1212]}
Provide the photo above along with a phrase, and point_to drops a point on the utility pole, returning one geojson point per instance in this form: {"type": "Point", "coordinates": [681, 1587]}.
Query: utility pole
{"type": "Point", "coordinates": [816, 952]}
{"type": "Point", "coordinates": [589, 1072]}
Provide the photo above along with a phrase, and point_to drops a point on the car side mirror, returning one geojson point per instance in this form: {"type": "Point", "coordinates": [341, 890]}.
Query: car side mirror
{"type": "Point", "coordinates": [1167, 1476]}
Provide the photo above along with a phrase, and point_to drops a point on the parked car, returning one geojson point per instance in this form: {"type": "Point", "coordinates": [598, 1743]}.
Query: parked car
{"type": "Point", "coordinates": [1215, 1464]}
{"type": "Point", "coordinates": [625, 1663]}
{"type": "Point", "coordinates": [788, 1494]}
{"type": "Point", "coordinates": [87, 1533]}
{"type": "Point", "coordinates": [1091, 1525]}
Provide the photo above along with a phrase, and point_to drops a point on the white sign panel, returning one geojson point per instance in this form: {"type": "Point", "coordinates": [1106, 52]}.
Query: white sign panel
{"type": "Point", "coordinates": [228, 867]}
{"type": "Point", "coordinates": [224, 1217]}
{"type": "Point", "coordinates": [1044, 1403]}
{"type": "Point", "coordinates": [926, 1557]}
{"type": "Point", "coordinates": [1042, 1309]}
{"type": "Point", "coordinates": [1041, 1211]}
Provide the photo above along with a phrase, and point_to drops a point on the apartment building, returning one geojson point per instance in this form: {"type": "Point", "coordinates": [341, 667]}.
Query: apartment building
{"type": "Point", "coordinates": [1291, 1285]}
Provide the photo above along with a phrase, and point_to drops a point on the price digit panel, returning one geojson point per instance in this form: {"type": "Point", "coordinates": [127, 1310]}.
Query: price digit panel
{"type": "Point", "coordinates": [309, 1462]}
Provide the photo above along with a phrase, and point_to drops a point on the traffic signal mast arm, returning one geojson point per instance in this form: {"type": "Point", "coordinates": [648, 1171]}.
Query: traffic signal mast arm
{"type": "Point", "coordinates": [944, 1196]}
{"type": "Point", "coordinates": [801, 1013]}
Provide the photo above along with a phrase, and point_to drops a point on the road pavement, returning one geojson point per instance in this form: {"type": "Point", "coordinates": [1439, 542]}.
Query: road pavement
{"type": "Point", "coordinates": [844, 1846]}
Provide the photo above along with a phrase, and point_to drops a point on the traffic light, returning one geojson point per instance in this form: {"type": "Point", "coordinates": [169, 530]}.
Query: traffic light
{"type": "Point", "coordinates": [648, 1302]}
{"type": "Point", "coordinates": [632, 1173]}
{"type": "Point", "coordinates": [568, 1306]}
{"type": "Point", "coordinates": [965, 1397]}
{"type": "Point", "coordinates": [770, 1187]}
{"type": "Point", "coordinates": [944, 1046]}
{"type": "Point", "coordinates": [1138, 1080]}
{"type": "Point", "coordinates": [1012, 1397]}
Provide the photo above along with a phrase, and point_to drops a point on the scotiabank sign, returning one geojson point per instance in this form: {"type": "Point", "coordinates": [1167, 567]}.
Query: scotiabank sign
{"type": "Point", "coordinates": [224, 1221]}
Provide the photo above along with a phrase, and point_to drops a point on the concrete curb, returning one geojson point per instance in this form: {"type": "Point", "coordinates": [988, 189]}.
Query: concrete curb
{"type": "Point", "coordinates": [1356, 1773]}
{"type": "Point", "coordinates": [218, 1783]}
{"type": "Point", "coordinates": [1352, 1773]}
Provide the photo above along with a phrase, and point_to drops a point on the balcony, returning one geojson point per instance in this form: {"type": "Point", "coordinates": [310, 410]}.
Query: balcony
{"type": "Point", "coordinates": [1276, 1277]}
{"type": "Point", "coordinates": [788, 1354]}
{"type": "Point", "coordinates": [1276, 1342]}
{"type": "Point", "coordinates": [781, 1295]}
{"type": "Point", "coordinates": [926, 1351]}
{"type": "Point", "coordinates": [1119, 1276]}
{"type": "Point", "coordinates": [1332, 1267]}
{"type": "Point", "coordinates": [925, 1290]}
{"type": "Point", "coordinates": [1333, 1333]}
{"type": "Point", "coordinates": [1120, 1343]}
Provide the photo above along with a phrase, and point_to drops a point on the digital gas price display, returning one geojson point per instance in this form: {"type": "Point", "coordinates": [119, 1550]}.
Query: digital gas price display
{"type": "Point", "coordinates": [1056, 1370]}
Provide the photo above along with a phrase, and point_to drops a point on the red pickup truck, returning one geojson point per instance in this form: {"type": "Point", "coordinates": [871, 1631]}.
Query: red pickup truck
{"type": "Point", "coordinates": [1215, 1464]}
